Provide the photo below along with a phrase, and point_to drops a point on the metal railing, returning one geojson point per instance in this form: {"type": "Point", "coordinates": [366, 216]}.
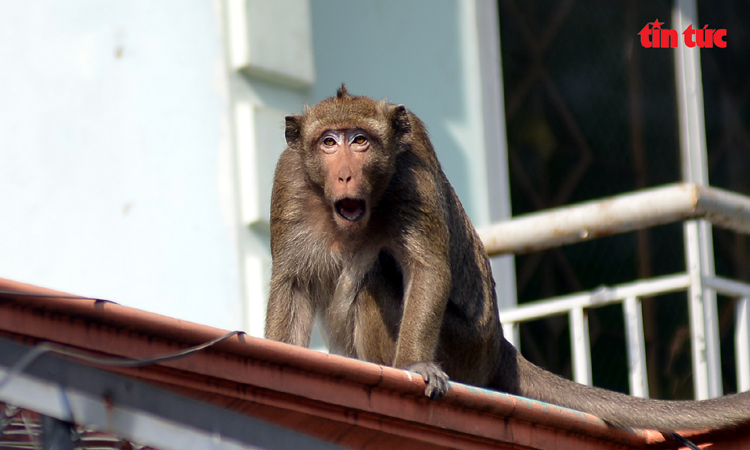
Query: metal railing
{"type": "Point", "coordinates": [690, 203]}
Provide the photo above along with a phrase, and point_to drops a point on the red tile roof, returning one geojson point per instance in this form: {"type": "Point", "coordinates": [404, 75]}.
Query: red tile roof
{"type": "Point", "coordinates": [352, 403]}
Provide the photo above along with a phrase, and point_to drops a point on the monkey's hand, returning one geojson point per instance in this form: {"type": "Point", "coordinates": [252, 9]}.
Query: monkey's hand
{"type": "Point", "coordinates": [434, 377]}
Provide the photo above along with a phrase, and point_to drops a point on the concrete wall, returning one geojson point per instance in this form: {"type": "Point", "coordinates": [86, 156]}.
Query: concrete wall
{"type": "Point", "coordinates": [115, 154]}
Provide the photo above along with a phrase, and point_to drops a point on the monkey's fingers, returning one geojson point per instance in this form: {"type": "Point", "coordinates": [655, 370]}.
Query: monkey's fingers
{"type": "Point", "coordinates": [434, 377]}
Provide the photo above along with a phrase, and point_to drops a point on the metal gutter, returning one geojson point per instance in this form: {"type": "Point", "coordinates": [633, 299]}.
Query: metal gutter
{"type": "Point", "coordinates": [348, 402]}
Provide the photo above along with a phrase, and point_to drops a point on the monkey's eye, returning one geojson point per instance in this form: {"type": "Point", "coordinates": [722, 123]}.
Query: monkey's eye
{"type": "Point", "coordinates": [329, 141]}
{"type": "Point", "coordinates": [359, 139]}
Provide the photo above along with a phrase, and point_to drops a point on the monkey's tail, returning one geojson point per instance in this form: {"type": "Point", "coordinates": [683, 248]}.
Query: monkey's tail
{"type": "Point", "coordinates": [628, 411]}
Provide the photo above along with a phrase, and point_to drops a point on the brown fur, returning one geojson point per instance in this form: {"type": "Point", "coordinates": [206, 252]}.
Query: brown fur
{"type": "Point", "coordinates": [409, 284]}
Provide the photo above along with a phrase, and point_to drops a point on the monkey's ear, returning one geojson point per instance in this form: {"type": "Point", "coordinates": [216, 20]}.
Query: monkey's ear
{"type": "Point", "coordinates": [293, 130]}
{"type": "Point", "coordinates": [401, 125]}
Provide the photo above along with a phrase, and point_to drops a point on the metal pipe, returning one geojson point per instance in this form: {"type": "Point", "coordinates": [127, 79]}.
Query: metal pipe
{"type": "Point", "coordinates": [699, 334]}
{"type": "Point", "coordinates": [730, 288]}
{"type": "Point", "coordinates": [698, 238]}
{"type": "Point", "coordinates": [580, 346]}
{"type": "Point", "coordinates": [742, 343]}
{"type": "Point", "coordinates": [638, 374]}
{"type": "Point", "coordinates": [600, 297]}
{"type": "Point", "coordinates": [619, 214]}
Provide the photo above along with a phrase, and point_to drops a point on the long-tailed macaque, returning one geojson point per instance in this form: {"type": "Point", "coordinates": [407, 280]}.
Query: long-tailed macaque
{"type": "Point", "coordinates": [368, 234]}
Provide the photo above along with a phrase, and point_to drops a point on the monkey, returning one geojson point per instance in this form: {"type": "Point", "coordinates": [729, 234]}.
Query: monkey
{"type": "Point", "coordinates": [368, 236]}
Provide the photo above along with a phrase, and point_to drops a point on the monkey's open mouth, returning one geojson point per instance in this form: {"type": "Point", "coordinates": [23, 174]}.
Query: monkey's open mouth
{"type": "Point", "coordinates": [351, 209]}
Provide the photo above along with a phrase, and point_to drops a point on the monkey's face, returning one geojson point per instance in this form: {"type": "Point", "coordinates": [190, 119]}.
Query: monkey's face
{"type": "Point", "coordinates": [353, 166]}
{"type": "Point", "coordinates": [344, 155]}
{"type": "Point", "coordinates": [348, 146]}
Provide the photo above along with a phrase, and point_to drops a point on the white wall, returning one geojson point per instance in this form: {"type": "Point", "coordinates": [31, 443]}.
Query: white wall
{"type": "Point", "coordinates": [116, 168]}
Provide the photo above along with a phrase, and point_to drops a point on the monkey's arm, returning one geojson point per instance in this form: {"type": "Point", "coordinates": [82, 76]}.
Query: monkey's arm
{"type": "Point", "coordinates": [426, 291]}
{"type": "Point", "coordinates": [290, 314]}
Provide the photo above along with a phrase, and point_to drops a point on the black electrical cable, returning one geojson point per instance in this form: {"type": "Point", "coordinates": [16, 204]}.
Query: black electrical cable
{"type": "Point", "coordinates": [62, 296]}
{"type": "Point", "coordinates": [685, 441]}
{"type": "Point", "coordinates": [47, 347]}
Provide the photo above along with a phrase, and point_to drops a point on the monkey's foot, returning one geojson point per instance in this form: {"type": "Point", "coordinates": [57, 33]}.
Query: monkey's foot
{"type": "Point", "coordinates": [436, 379]}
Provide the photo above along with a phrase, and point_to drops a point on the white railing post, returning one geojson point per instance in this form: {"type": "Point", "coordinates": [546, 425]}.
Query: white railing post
{"type": "Point", "coordinates": [698, 239]}
{"type": "Point", "coordinates": [510, 331]}
{"type": "Point", "coordinates": [705, 360]}
{"type": "Point", "coordinates": [742, 343]}
{"type": "Point", "coordinates": [580, 346]}
{"type": "Point", "coordinates": [629, 294]}
{"type": "Point", "coordinates": [638, 374]}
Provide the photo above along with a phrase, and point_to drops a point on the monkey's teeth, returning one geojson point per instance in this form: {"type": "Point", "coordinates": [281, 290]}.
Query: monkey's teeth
{"type": "Point", "coordinates": [350, 209]}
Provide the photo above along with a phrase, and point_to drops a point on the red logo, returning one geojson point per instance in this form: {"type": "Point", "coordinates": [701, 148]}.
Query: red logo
{"type": "Point", "coordinates": [652, 36]}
